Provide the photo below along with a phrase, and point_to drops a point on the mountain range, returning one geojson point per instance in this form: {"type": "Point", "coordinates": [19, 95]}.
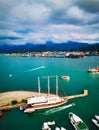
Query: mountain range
{"type": "Point", "coordinates": [48, 46]}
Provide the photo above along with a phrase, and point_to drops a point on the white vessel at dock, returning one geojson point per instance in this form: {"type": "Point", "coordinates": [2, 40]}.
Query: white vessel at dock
{"type": "Point", "coordinates": [29, 110]}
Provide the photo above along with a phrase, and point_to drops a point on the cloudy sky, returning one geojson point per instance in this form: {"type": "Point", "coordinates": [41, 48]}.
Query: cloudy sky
{"type": "Point", "coordinates": [38, 21]}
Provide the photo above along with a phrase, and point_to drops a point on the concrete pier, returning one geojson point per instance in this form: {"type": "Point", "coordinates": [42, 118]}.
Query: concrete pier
{"type": "Point", "coordinates": [78, 96]}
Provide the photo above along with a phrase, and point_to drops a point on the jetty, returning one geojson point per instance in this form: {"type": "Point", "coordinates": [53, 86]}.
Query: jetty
{"type": "Point", "coordinates": [85, 93]}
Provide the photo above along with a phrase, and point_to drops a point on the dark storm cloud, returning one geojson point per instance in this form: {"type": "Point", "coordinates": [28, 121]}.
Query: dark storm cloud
{"type": "Point", "coordinates": [91, 6]}
{"type": "Point", "coordinates": [10, 38]}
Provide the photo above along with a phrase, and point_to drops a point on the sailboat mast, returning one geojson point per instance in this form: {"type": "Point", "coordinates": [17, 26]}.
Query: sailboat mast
{"type": "Point", "coordinates": [39, 85]}
{"type": "Point", "coordinates": [56, 85]}
{"type": "Point", "coordinates": [48, 86]}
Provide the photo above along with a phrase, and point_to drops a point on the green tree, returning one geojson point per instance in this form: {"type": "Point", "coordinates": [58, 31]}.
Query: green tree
{"type": "Point", "coordinates": [14, 102]}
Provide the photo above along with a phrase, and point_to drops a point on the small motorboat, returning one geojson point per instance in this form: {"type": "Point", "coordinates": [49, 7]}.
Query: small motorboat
{"type": "Point", "coordinates": [62, 128]}
{"type": "Point", "coordinates": [1, 113]}
{"type": "Point", "coordinates": [77, 122]}
{"type": "Point", "coordinates": [65, 77]}
{"type": "Point", "coordinates": [97, 117]}
{"type": "Point", "coordinates": [6, 109]}
{"type": "Point", "coordinates": [29, 110]}
{"type": "Point", "coordinates": [23, 107]}
{"type": "Point", "coordinates": [95, 122]}
{"type": "Point", "coordinates": [93, 70]}
{"type": "Point", "coordinates": [57, 128]}
{"type": "Point", "coordinates": [46, 126]}
{"type": "Point", "coordinates": [51, 122]}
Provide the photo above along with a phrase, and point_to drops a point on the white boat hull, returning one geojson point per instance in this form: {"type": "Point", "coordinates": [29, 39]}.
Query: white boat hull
{"type": "Point", "coordinates": [97, 117]}
{"type": "Point", "coordinates": [29, 110]}
{"type": "Point", "coordinates": [95, 122]}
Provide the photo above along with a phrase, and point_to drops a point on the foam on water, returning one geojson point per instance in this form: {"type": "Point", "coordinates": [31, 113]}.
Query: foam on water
{"type": "Point", "coordinates": [53, 110]}
{"type": "Point", "coordinates": [41, 67]}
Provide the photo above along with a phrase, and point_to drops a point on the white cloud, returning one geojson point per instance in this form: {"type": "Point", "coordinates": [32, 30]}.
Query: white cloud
{"type": "Point", "coordinates": [35, 13]}
{"type": "Point", "coordinates": [9, 33]}
{"type": "Point", "coordinates": [56, 20]}
{"type": "Point", "coordinates": [76, 13]}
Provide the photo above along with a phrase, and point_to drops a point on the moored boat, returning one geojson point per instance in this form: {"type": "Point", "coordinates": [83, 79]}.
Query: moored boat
{"type": "Point", "coordinates": [51, 122]}
{"type": "Point", "coordinates": [62, 128]}
{"type": "Point", "coordinates": [65, 77]}
{"type": "Point", "coordinates": [46, 126]}
{"type": "Point", "coordinates": [95, 122]}
{"type": "Point", "coordinates": [23, 107]}
{"type": "Point", "coordinates": [6, 109]}
{"type": "Point", "coordinates": [48, 100]}
{"type": "Point", "coordinates": [93, 70]}
{"type": "Point", "coordinates": [77, 122]}
{"type": "Point", "coordinates": [29, 110]}
{"type": "Point", "coordinates": [57, 128]}
{"type": "Point", "coordinates": [1, 113]}
{"type": "Point", "coordinates": [97, 117]}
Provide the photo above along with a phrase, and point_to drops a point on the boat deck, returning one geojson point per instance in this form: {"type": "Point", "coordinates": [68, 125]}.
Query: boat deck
{"type": "Point", "coordinates": [82, 126]}
{"type": "Point", "coordinates": [49, 105]}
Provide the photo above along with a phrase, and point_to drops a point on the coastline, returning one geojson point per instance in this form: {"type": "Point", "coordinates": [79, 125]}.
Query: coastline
{"type": "Point", "coordinates": [7, 97]}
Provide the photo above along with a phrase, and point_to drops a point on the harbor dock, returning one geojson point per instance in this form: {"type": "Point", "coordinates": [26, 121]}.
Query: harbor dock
{"type": "Point", "coordinates": [7, 97]}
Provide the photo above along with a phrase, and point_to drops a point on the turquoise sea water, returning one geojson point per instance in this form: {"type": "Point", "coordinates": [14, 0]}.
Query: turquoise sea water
{"type": "Point", "coordinates": [25, 70]}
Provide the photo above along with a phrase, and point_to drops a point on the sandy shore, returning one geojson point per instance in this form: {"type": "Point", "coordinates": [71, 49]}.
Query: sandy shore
{"type": "Point", "coordinates": [7, 97]}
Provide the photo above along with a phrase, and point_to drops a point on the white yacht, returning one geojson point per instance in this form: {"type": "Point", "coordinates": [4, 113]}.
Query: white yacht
{"type": "Point", "coordinates": [48, 100]}
{"type": "Point", "coordinates": [77, 122]}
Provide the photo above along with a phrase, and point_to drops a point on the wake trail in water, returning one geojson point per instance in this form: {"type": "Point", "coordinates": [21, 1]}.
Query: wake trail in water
{"type": "Point", "coordinates": [41, 67]}
{"type": "Point", "coordinates": [53, 110]}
